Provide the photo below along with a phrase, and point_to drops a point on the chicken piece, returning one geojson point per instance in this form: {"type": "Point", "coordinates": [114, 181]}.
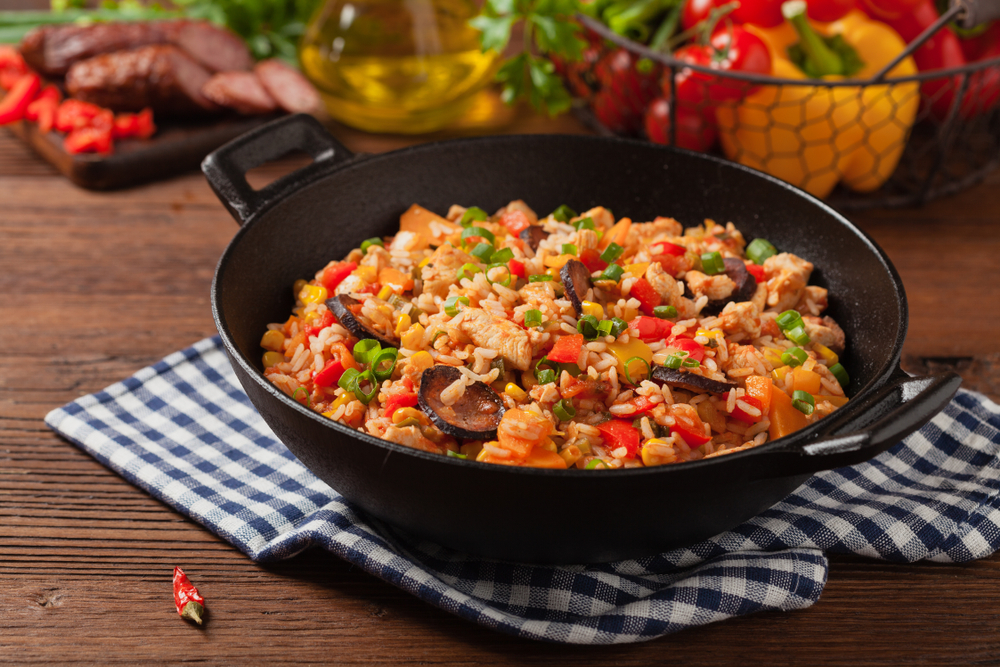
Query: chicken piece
{"type": "Point", "coordinates": [441, 271]}
{"type": "Point", "coordinates": [814, 300]}
{"type": "Point", "coordinates": [585, 239]}
{"type": "Point", "coordinates": [787, 276]}
{"type": "Point", "coordinates": [602, 217]}
{"type": "Point", "coordinates": [659, 229]}
{"type": "Point", "coordinates": [541, 296]}
{"type": "Point", "coordinates": [510, 340]}
{"type": "Point", "coordinates": [716, 288]}
{"type": "Point", "coordinates": [760, 297]}
{"type": "Point", "coordinates": [410, 436]}
{"type": "Point", "coordinates": [352, 284]}
{"type": "Point", "coordinates": [745, 356]}
{"type": "Point", "coordinates": [825, 332]}
{"type": "Point", "coordinates": [409, 242]}
{"type": "Point", "coordinates": [670, 290]}
{"type": "Point", "coordinates": [741, 318]}
{"type": "Point", "coordinates": [518, 205]}
{"type": "Point", "coordinates": [376, 256]}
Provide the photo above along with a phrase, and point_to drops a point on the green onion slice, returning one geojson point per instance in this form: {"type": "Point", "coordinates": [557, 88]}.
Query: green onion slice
{"type": "Point", "coordinates": [478, 232]}
{"type": "Point", "coordinates": [673, 362]}
{"type": "Point", "coordinates": [564, 410]}
{"type": "Point", "coordinates": [612, 252]}
{"type": "Point", "coordinates": [507, 274]}
{"type": "Point", "coordinates": [359, 393]}
{"type": "Point", "coordinates": [840, 373]}
{"type": "Point", "coordinates": [586, 223]}
{"type": "Point", "coordinates": [759, 250]}
{"type": "Point", "coordinates": [794, 357]}
{"type": "Point", "coordinates": [614, 273]}
{"type": "Point", "coordinates": [593, 463]}
{"type": "Point", "coordinates": [540, 278]}
{"type": "Point", "coordinates": [664, 312]}
{"type": "Point", "coordinates": [295, 395]}
{"type": "Point", "coordinates": [803, 402]}
{"type": "Point", "coordinates": [502, 256]}
{"type": "Point", "coordinates": [712, 264]}
{"type": "Point", "coordinates": [483, 252]}
{"type": "Point", "coordinates": [387, 355]}
{"type": "Point", "coordinates": [604, 327]}
{"type": "Point", "coordinates": [545, 376]}
{"type": "Point", "coordinates": [498, 364]}
{"type": "Point", "coordinates": [788, 320]}
{"type": "Point", "coordinates": [563, 213]}
{"type": "Point", "coordinates": [451, 305]}
{"type": "Point", "coordinates": [628, 376]}
{"type": "Point", "coordinates": [569, 249]}
{"type": "Point", "coordinates": [468, 270]}
{"type": "Point", "coordinates": [588, 326]}
{"type": "Point", "coordinates": [370, 242]}
{"type": "Point", "coordinates": [366, 349]}
{"type": "Point", "coordinates": [473, 214]}
{"type": "Point", "coordinates": [798, 336]}
{"type": "Point", "coordinates": [690, 363]}
{"type": "Point", "coordinates": [346, 380]}
{"type": "Point", "coordinates": [456, 455]}
{"type": "Point", "coordinates": [533, 318]}
{"type": "Point", "coordinates": [618, 326]}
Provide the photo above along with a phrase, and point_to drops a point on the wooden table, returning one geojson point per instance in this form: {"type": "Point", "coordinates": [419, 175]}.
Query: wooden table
{"type": "Point", "coordinates": [95, 286]}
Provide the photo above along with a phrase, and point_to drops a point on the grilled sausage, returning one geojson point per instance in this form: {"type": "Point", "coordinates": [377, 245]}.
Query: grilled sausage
{"type": "Point", "coordinates": [160, 76]}
{"type": "Point", "coordinates": [240, 91]}
{"type": "Point", "coordinates": [287, 86]}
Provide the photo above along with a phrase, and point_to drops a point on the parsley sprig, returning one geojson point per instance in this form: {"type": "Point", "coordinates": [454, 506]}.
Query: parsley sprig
{"type": "Point", "coordinates": [549, 29]}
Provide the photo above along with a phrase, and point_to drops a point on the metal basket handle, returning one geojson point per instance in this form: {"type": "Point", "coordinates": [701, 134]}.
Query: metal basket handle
{"type": "Point", "coordinates": [976, 12]}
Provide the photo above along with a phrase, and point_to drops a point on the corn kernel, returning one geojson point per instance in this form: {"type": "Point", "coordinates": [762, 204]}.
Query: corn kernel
{"type": "Point", "coordinates": [424, 262]}
{"type": "Point", "coordinates": [369, 274]}
{"type": "Point", "coordinates": [657, 452]}
{"type": "Point", "coordinates": [471, 449]}
{"type": "Point", "coordinates": [402, 324]}
{"type": "Point", "coordinates": [385, 293]}
{"type": "Point", "coordinates": [413, 336]}
{"type": "Point", "coordinates": [406, 415]}
{"type": "Point", "coordinates": [313, 294]}
{"type": "Point", "coordinates": [421, 361]}
{"type": "Point", "coordinates": [595, 309]}
{"type": "Point", "coordinates": [552, 272]}
{"type": "Point", "coordinates": [515, 392]}
{"type": "Point", "coordinates": [829, 355]}
{"type": "Point", "coordinates": [343, 399]}
{"type": "Point", "coordinates": [272, 359]}
{"type": "Point", "coordinates": [273, 340]}
{"type": "Point", "coordinates": [481, 456]}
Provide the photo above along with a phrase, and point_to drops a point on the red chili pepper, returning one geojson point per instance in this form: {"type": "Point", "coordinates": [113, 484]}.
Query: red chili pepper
{"type": "Point", "coordinates": [16, 102]}
{"type": "Point", "coordinates": [687, 344]}
{"type": "Point", "coordinates": [651, 328]}
{"type": "Point", "coordinates": [742, 415]}
{"type": "Point", "coordinates": [397, 401]}
{"type": "Point", "coordinates": [334, 274]}
{"type": "Point", "coordinates": [757, 271]}
{"type": "Point", "coordinates": [43, 109]}
{"type": "Point", "coordinates": [566, 350]}
{"type": "Point", "coordinates": [189, 602]}
{"type": "Point", "coordinates": [88, 140]}
{"type": "Point", "coordinates": [134, 125]}
{"type": "Point", "coordinates": [73, 114]}
{"type": "Point", "coordinates": [515, 221]}
{"type": "Point", "coordinates": [591, 258]}
{"type": "Point", "coordinates": [12, 67]}
{"type": "Point", "coordinates": [647, 295]}
{"type": "Point", "coordinates": [620, 433]}
{"type": "Point", "coordinates": [517, 269]}
{"type": "Point", "coordinates": [325, 320]}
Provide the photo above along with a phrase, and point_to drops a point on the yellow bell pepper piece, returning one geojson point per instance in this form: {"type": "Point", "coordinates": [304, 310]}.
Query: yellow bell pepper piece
{"type": "Point", "coordinates": [829, 355]}
{"type": "Point", "coordinates": [557, 261]}
{"type": "Point", "coordinates": [625, 351]}
{"type": "Point", "coordinates": [638, 269]}
{"type": "Point", "coordinates": [805, 380]}
{"type": "Point", "coordinates": [815, 136]}
{"type": "Point", "coordinates": [369, 274]}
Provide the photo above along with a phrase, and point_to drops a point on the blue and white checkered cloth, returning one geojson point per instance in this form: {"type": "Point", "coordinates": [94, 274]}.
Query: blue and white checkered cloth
{"type": "Point", "coordinates": [184, 431]}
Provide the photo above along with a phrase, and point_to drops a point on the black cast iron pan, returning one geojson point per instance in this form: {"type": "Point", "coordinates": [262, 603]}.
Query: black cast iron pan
{"type": "Point", "coordinates": [294, 226]}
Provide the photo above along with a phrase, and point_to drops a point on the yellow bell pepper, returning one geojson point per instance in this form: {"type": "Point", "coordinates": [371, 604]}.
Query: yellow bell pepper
{"type": "Point", "coordinates": [817, 136]}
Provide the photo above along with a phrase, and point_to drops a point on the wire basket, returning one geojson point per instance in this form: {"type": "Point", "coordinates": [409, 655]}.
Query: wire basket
{"type": "Point", "coordinates": [805, 130]}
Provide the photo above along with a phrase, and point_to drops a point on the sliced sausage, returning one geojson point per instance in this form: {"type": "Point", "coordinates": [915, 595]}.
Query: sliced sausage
{"type": "Point", "coordinates": [533, 235]}
{"type": "Point", "coordinates": [214, 47]}
{"type": "Point", "coordinates": [690, 381]}
{"type": "Point", "coordinates": [346, 309]}
{"type": "Point", "coordinates": [292, 91]}
{"type": "Point", "coordinates": [746, 286]}
{"type": "Point", "coordinates": [239, 91]}
{"type": "Point", "coordinates": [576, 280]}
{"type": "Point", "coordinates": [474, 416]}
{"type": "Point", "coordinates": [161, 77]}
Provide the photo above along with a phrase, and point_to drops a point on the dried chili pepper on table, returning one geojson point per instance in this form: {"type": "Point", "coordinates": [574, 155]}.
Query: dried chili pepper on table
{"type": "Point", "coordinates": [190, 604]}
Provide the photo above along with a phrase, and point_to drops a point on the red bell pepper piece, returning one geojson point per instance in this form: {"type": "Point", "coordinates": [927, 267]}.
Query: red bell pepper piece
{"type": "Point", "coordinates": [683, 343]}
{"type": "Point", "coordinates": [397, 401]}
{"type": "Point", "coordinates": [134, 125]}
{"type": "Point", "coordinates": [43, 109]}
{"type": "Point", "coordinates": [73, 114]}
{"type": "Point", "coordinates": [620, 433]}
{"type": "Point", "coordinates": [651, 328]}
{"type": "Point", "coordinates": [757, 271]}
{"type": "Point", "coordinates": [742, 415]}
{"type": "Point", "coordinates": [692, 432]}
{"type": "Point", "coordinates": [668, 248]}
{"type": "Point", "coordinates": [592, 260]}
{"type": "Point", "coordinates": [517, 269]}
{"type": "Point", "coordinates": [330, 374]}
{"type": "Point", "coordinates": [325, 320]}
{"type": "Point", "coordinates": [88, 140]}
{"type": "Point", "coordinates": [15, 103]}
{"type": "Point", "coordinates": [641, 405]}
{"type": "Point", "coordinates": [515, 221]}
{"type": "Point", "coordinates": [12, 67]}
{"type": "Point", "coordinates": [648, 297]}
{"type": "Point", "coordinates": [566, 350]}
{"type": "Point", "coordinates": [334, 274]}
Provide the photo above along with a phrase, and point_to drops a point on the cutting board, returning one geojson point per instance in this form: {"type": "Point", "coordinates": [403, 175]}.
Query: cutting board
{"type": "Point", "coordinates": [175, 148]}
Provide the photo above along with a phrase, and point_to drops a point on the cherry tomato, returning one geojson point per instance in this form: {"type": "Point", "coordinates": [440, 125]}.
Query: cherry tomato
{"type": "Point", "coordinates": [736, 50]}
{"type": "Point", "coordinates": [695, 131]}
{"type": "Point", "coordinates": [628, 85]}
{"type": "Point", "coordinates": [762, 13]}
{"type": "Point", "coordinates": [696, 11]}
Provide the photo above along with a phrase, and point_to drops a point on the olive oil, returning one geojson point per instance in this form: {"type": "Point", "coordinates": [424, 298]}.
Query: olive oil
{"type": "Point", "coordinates": [407, 66]}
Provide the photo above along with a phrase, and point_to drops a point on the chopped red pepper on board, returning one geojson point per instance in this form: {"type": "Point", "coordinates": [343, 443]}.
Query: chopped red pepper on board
{"type": "Point", "coordinates": [134, 125]}
{"type": "Point", "coordinates": [189, 602]}
{"type": "Point", "coordinates": [620, 433]}
{"type": "Point", "coordinates": [73, 114]}
{"type": "Point", "coordinates": [647, 295]}
{"type": "Point", "coordinates": [566, 350]}
{"type": "Point", "coordinates": [88, 140]}
{"type": "Point", "coordinates": [15, 102]}
{"type": "Point", "coordinates": [43, 109]}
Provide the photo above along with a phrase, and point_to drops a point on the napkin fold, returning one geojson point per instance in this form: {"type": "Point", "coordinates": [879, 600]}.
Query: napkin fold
{"type": "Point", "coordinates": [184, 431]}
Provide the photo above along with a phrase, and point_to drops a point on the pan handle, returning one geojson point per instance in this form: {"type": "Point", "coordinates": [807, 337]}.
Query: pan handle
{"type": "Point", "coordinates": [227, 166]}
{"type": "Point", "coordinates": [852, 436]}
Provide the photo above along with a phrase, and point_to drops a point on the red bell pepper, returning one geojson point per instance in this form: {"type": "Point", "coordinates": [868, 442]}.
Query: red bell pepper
{"type": "Point", "coordinates": [134, 125]}
{"type": "Point", "coordinates": [324, 320]}
{"type": "Point", "coordinates": [88, 140]}
{"type": "Point", "coordinates": [397, 401]}
{"type": "Point", "coordinates": [742, 415]}
{"type": "Point", "coordinates": [651, 328]}
{"type": "Point", "coordinates": [43, 109]}
{"type": "Point", "coordinates": [12, 67]}
{"type": "Point", "coordinates": [591, 258]}
{"type": "Point", "coordinates": [334, 274]}
{"type": "Point", "coordinates": [517, 269]}
{"type": "Point", "coordinates": [693, 431]}
{"type": "Point", "coordinates": [757, 271]}
{"type": "Point", "coordinates": [566, 350]}
{"type": "Point", "coordinates": [620, 433]}
{"type": "Point", "coordinates": [73, 114]}
{"type": "Point", "coordinates": [15, 103]}
{"type": "Point", "coordinates": [515, 221]}
{"type": "Point", "coordinates": [825, 11]}
{"type": "Point", "coordinates": [668, 248]}
{"type": "Point", "coordinates": [330, 374]}
{"type": "Point", "coordinates": [641, 405]}
{"type": "Point", "coordinates": [683, 343]}
{"type": "Point", "coordinates": [648, 297]}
